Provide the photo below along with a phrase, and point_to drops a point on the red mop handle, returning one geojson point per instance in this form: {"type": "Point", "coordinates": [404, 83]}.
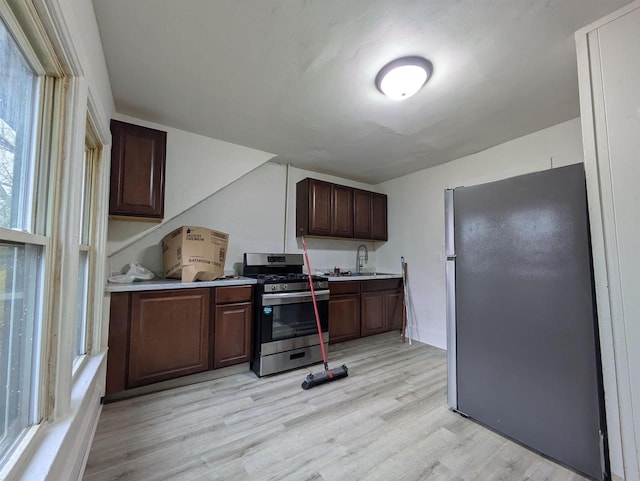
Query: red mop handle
{"type": "Point", "coordinates": [315, 305]}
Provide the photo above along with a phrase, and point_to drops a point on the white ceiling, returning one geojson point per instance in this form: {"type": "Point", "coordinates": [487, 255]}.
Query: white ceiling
{"type": "Point", "coordinates": [296, 77]}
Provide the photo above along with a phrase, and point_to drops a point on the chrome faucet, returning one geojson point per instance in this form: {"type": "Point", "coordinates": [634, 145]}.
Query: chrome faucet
{"type": "Point", "coordinates": [359, 257]}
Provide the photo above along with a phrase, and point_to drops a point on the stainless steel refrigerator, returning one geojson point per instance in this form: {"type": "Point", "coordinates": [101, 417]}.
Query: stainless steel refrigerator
{"type": "Point", "coordinates": [523, 352]}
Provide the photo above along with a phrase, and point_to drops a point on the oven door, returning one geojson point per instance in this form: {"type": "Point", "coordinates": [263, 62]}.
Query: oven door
{"type": "Point", "coordinates": [290, 314]}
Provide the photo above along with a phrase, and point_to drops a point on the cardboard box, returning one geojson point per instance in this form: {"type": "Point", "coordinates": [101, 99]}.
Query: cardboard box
{"type": "Point", "coordinates": [194, 254]}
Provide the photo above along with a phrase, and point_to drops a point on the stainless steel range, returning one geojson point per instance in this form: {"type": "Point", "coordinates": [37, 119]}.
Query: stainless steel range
{"type": "Point", "coordinates": [285, 335]}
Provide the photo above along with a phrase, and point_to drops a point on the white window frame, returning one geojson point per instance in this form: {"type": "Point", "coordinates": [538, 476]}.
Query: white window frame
{"type": "Point", "coordinates": [40, 55]}
{"type": "Point", "coordinates": [53, 445]}
{"type": "Point", "coordinates": [89, 207]}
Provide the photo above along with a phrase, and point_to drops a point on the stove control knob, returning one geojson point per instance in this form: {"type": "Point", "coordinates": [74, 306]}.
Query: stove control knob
{"type": "Point", "coordinates": [284, 287]}
{"type": "Point", "coordinates": [273, 287]}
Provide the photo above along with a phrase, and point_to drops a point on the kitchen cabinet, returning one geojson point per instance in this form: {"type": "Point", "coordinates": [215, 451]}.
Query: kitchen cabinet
{"type": "Point", "coordinates": [361, 214]}
{"type": "Point", "coordinates": [344, 311]}
{"type": "Point", "coordinates": [233, 314]}
{"type": "Point", "coordinates": [137, 172]}
{"type": "Point", "coordinates": [381, 306]}
{"type": "Point", "coordinates": [169, 335]}
{"type": "Point", "coordinates": [157, 335]}
{"type": "Point", "coordinates": [369, 215]}
{"type": "Point", "coordinates": [118, 342]}
{"type": "Point", "coordinates": [394, 302]}
{"type": "Point", "coordinates": [378, 216]}
{"type": "Point", "coordinates": [341, 211]}
{"type": "Point", "coordinates": [364, 308]}
{"type": "Point", "coordinates": [373, 313]}
{"type": "Point", "coordinates": [313, 209]}
{"type": "Point", "coordinates": [324, 209]}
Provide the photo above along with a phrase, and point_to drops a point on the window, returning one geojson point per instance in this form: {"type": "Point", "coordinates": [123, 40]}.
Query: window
{"type": "Point", "coordinates": [20, 284]}
{"type": "Point", "coordinates": [84, 303]}
{"type": "Point", "coordinates": [18, 108]}
{"type": "Point", "coordinates": [52, 238]}
{"type": "Point", "coordinates": [23, 240]}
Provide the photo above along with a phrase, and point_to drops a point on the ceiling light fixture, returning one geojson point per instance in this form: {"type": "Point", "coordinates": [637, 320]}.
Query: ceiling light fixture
{"type": "Point", "coordinates": [403, 77]}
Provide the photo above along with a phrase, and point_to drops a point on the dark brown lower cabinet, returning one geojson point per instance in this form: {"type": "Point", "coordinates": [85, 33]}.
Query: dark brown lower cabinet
{"type": "Point", "coordinates": [344, 311]}
{"type": "Point", "coordinates": [233, 316]}
{"type": "Point", "coordinates": [169, 335]}
{"type": "Point", "coordinates": [381, 306]}
{"type": "Point", "coordinates": [232, 337]}
{"type": "Point", "coordinates": [165, 334]}
{"type": "Point", "coordinates": [160, 335]}
{"type": "Point", "coordinates": [364, 308]}
{"type": "Point", "coordinates": [344, 317]}
{"type": "Point", "coordinates": [118, 342]}
{"type": "Point", "coordinates": [373, 312]}
{"type": "Point", "coordinates": [394, 300]}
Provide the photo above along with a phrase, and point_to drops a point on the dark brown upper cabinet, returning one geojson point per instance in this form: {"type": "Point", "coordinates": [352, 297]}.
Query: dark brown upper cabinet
{"type": "Point", "coordinates": [313, 212]}
{"type": "Point", "coordinates": [324, 209]}
{"type": "Point", "coordinates": [341, 211]}
{"type": "Point", "coordinates": [379, 216]}
{"type": "Point", "coordinates": [362, 214]}
{"type": "Point", "coordinates": [137, 172]}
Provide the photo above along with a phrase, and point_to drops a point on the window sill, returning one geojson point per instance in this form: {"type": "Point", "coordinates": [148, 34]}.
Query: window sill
{"type": "Point", "coordinates": [58, 450]}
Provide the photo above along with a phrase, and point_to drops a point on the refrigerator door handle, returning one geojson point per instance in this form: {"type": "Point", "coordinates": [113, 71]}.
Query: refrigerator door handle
{"type": "Point", "coordinates": [449, 241]}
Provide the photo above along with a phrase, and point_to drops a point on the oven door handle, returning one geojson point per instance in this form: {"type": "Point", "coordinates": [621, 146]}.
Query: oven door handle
{"type": "Point", "coordinates": [293, 297]}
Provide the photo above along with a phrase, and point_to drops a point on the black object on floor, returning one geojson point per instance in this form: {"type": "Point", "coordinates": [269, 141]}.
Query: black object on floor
{"type": "Point", "coordinates": [327, 375]}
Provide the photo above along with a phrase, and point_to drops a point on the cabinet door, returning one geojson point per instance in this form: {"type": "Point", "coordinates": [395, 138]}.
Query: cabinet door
{"type": "Point", "coordinates": [344, 318]}
{"type": "Point", "coordinates": [169, 335]}
{"type": "Point", "coordinates": [394, 302]}
{"type": "Point", "coordinates": [137, 171]}
{"type": "Point", "coordinates": [341, 211]}
{"type": "Point", "coordinates": [378, 216]}
{"type": "Point", "coordinates": [372, 313]}
{"type": "Point", "coordinates": [118, 342]}
{"type": "Point", "coordinates": [319, 208]}
{"type": "Point", "coordinates": [361, 214]}
{"type": "Point", "coordinates": [232, 334]}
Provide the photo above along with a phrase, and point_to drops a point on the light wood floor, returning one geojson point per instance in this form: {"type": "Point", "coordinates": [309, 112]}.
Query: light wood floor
{"type": "Point", "coordinates": [387, 421]}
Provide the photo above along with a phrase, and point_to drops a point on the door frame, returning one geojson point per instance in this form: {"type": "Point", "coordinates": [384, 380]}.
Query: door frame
{"type": "Point", "coordinates": [622, 422]}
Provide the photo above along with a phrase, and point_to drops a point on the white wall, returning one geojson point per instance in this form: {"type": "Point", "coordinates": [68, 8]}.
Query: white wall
{"type": "Point", "coordinates": [416, 212]}
{"type": "Point", "coordinates": [196, 167]}
{"type": "Point", "coordinates": [253, 210]}
{"type": "Point", "coordinates": [81, 26]}
{"type": "Point", "coordinates": [249, 210]}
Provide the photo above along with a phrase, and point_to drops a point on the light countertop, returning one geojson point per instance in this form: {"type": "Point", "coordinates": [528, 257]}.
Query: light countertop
{"type": "Point", "coordinates": [161, 284]}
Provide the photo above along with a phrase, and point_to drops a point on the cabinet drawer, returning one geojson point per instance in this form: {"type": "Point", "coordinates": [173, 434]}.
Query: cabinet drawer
{"type": "Point", "coordinates": [381, 285]}
{"type": "Point", "coordinates": [225, 295]}
{"type": "Point", "coordinates": [344, 287]}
